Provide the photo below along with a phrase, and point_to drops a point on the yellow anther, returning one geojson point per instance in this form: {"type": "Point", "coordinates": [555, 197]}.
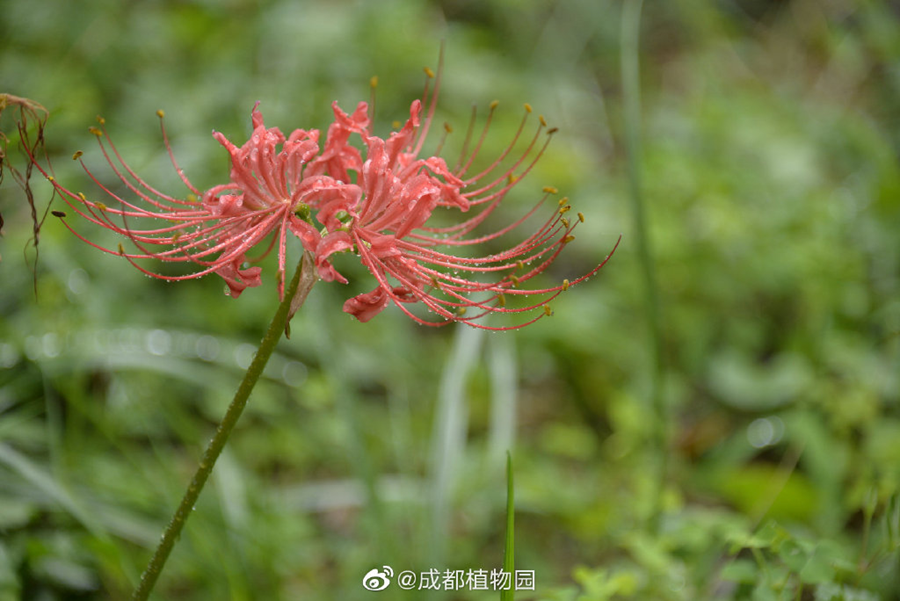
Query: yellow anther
{"type": "Point", "coordinates": [461, 311]}
{"type": "Point", "coordinates": [101, 120]}
{"type": "Point", "coordinates": [121, 249]}
{"type": "Point", "coordinates": [77, 155]}
{"type": "Point", "coordinates": [552, 131]}
{"type": "Point", "coordinates": [563, 200]}
{"type": "Point", "coordinates": [51, 179]}
{"type": "Point", "coordinates": [527, 108]}
{"type": "Point", "coordinates": [59, 214]}
{"type": "Point", "coordinates": [520, 265]}
{"type": "Point", "coordinates": [514, 280]}
{"type": "Point", "coordinates": [448, 128]}
{"type": "Point", "coordinates": [512, 178]}
{"type": "Point", "coordinates": [501, 300]}
{"type": "Point", "coordinates": [160, 113]}
{"type": "Point", "coordinates": [95, 130]}
{"type": "Point", "coordinates": [568, 239]}
{"type": "Point", "coordinates": [565, 222]}
{"type": "Point", "coordinates": [565, 285]}
{"type": "Point", "coordinates": [494, 104]}
{"type": "Point", "coordinates": [373, 82]}
{"type": "Point", "coordinates": [550, 190]}
{"type": "Point", "coordinates": [82, 197]}
{"type": "Point", "coordinates": [565, 209]}
{"type": "Point", "coordinates": [191, 198]}
{"type": "Point", "coordinates": [542, 120]}
{"type": "Point", "coordinates": [429, 72]}
{"type": "Point", "coordinates": [395, 124]}
{"type": "Point", "coordinates": [581, 217]}
{"type": "Point", "coordinates": [101, 206]}
{"type": "Point", "coordinates": [548, 311]}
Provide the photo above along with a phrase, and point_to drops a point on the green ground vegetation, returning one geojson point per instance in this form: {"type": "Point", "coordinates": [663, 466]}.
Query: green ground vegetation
{"type": "Point", "coordinates": [770, 166]}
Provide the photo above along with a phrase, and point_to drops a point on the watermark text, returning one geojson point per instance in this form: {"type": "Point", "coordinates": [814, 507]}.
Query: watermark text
{"type": "Point", "coordinates": [379, 579]}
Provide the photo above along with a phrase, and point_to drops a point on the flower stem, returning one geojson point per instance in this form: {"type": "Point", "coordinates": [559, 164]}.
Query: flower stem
{"type": "Point", "coordinates": [631, 92]}
{"type": "Point", "coordinates": [294, 295]}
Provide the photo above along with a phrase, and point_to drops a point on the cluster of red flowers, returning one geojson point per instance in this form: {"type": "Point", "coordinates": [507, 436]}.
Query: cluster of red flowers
{"type": "Point", "coordinates": [375, 204]}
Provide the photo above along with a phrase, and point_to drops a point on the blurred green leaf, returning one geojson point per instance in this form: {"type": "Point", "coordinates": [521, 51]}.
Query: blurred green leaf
{"type": "Point", "coordinates": [752, 387]}
{"type": "Point", "coordinates": [10, 586]}
{"type": "Point", "coordinates": [743, 571]}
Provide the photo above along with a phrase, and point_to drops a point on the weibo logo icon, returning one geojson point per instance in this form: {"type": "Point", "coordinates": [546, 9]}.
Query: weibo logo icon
{"type": "Point", "coordinates": [378, 580]}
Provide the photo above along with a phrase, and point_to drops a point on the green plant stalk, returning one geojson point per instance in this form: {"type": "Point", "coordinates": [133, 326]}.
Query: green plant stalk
{"type": "Point", "coordinates": [509, 562]}
{"type": "Point", "coordinates": [631, 93]}
{"type": "Point", "coordinates": [286, 308]}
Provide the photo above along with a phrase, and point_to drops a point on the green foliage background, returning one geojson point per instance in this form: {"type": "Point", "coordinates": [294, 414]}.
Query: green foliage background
{"type": "Point", "coordinates": [771, 136]}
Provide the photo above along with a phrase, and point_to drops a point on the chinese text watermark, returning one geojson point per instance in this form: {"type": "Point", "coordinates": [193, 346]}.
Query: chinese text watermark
{"type": "Point", "coordinates": [449, 580]}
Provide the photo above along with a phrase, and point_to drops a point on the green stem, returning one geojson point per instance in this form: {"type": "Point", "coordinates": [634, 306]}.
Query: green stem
{"type": "Point", "coordinates": [294, 295]}
{"type": "Point", "coordinates": [509, 559]}
{"type": "Point", "coordinates": [631, 91]}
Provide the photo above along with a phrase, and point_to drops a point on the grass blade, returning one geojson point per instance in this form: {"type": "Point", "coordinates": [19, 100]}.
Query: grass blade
{"type": "Point", "coordinates": [509, 563]}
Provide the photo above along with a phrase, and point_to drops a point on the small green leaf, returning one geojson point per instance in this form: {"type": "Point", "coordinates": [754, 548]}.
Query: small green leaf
{"type": "Point", "coordinates": [764, 592]}
{"type": "Point", "coordinates": [740, 570]}
{"type": "Point", "coordinates": [816, 571]}
{"type": "Point", "coordinates": [794, 556]}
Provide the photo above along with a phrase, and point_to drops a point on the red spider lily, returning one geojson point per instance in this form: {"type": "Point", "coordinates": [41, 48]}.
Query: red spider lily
{"type": "Point", "coordinates": [414, 262]}
{"type": "Point", "coordinates": [378, 208]}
